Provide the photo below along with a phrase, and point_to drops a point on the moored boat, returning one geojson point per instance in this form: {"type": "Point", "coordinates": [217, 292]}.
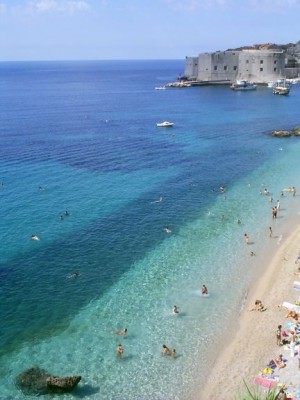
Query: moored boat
{"type": "Point", "coordinates": [243, 85]}
{"type": "Point", "coordinates": [281, 90]}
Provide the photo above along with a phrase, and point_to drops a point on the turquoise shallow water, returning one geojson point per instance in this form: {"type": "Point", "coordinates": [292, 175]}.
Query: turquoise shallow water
{"type": "Point", "coordinates": [91, 144]}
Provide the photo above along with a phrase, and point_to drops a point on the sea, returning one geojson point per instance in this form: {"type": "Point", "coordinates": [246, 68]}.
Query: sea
{"type": "Point", "coordinates": [133, 219]}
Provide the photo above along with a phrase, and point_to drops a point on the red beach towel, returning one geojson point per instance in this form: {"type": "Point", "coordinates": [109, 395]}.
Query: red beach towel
{"type": "Point", "coordinates": [264, 382]}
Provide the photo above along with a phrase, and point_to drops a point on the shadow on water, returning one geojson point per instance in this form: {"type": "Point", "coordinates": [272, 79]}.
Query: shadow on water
{"type": "Point", "coordinates": [85, 391]}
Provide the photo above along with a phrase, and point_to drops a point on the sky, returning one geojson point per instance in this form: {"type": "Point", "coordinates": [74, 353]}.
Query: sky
{"type": "Point", "coordinates": [140, 29]}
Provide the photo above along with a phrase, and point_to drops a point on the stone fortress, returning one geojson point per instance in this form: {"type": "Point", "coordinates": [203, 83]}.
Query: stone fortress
{"type": "Point", "coordinates": [259, 64]}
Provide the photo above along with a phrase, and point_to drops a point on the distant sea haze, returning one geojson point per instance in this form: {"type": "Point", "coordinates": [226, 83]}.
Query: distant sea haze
{"type": "Point", "coordinates": [146, 224]}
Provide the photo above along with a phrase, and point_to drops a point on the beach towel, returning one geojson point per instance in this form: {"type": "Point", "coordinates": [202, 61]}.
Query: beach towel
{"type": "Point", "coordinates": [291, 306]}
{"type": "Point", "coordinates": [265, 382]}
{"type": "Point", "coordinates": [296, 285]}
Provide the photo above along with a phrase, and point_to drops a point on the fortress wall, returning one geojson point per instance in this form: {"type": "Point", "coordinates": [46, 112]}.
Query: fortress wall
{"type": "Point", "coordinates": [218, 66]}
{"type": "Point", "coordinates": [261, 66]}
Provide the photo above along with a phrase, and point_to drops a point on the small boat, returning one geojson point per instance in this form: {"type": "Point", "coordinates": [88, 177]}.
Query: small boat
{"type": "Point", "coordinates": [160, 88]}
{"type": "Point", "coordinates": [243, 85]}
{"type": "Point", "coordinates": [165, 124]}
{"type": "Point", "coordinates": [281, 90]}
{"type": "Point", "coordinates": [272, 84]}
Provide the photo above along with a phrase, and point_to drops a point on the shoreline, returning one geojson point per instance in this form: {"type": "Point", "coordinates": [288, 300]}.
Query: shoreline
{"type": "Point", "coordinates": [254, 343]}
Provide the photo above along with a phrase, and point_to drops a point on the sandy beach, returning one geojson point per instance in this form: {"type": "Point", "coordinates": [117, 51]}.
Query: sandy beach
{"type": "Point", "coordinates": [254, 344]}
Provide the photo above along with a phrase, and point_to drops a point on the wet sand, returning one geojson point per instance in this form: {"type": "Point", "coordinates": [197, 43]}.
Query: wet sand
{"type": "Point", "coordinates": [254, 343]}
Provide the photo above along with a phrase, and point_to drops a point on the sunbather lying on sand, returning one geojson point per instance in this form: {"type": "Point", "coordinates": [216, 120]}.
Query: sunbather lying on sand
{"type": "Point", "coordinates": [293, 315]}
{"type": "Point", "coordinates": [258, 306]}
{"type": "Point", "coordinates": [297, 272]}
{"type": "Point", "coordinates": [277, 362]}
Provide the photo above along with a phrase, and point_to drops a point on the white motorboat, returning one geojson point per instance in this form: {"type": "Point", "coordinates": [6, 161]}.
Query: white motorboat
{"type": "Point", "coordinates": [279, 82]}
{"type": "Point", "coordinates": [165, 124]}
{"type": "Point", "coordinates": [243, 85]}
{"type": "Point", "coordinates": [160, 88]}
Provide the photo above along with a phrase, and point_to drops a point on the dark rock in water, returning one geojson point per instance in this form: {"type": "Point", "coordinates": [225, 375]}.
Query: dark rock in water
{"type": "Point", "coordinates": [65, 384]}
{"type": "Point", "coordinates": [33, 381]}
{"type": "Point", "coordinates": [36, 381]}
{"type": "Point", "coordinates": [281, 133]}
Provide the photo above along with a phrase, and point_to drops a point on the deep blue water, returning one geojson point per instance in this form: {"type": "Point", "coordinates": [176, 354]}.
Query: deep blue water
{"type": "Point", "coordinates": [82, 137]}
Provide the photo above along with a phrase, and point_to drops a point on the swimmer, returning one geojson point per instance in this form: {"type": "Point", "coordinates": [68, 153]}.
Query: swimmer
{"type": "Point", "coordinates": [74, 275]}
{"type": "Point", "coordinates": [167, 229]}
{"type": "Point", "coordinates": [204, 290]}
{"type": "Point", "coordinates": [122, 332]}
{"type": "Point", "coordinates": [175, 310]}
{"type": "Point", "coordinates": [173, 353]}
{"type": "Point", "coordinates": [246, 237]}
{"type": "Point", "coordinates": [157, 201]}
{"type": "Point", "coordinates": [119, 351]}
{"type": "Point", "coordinates": [239, 222]}
{"type": "Point", "coordinates": [66, 213]}
{"type": "Point", "coordinates": [165, 350]}
{"type": "Point", "coordinates": [252, 254]}
{"type": "Point", "coordinates": [61, 217]}
{"type": "Point", "coordinates": [34, 237]}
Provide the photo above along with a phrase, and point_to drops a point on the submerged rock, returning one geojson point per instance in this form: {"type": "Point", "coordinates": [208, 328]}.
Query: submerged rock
{"type": "Point", "coordinates": [33, 381]}
{"type": "Point", "coordinates": [36, 381]}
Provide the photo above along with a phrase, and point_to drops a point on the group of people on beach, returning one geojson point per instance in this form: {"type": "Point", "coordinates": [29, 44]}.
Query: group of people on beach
{"type": "Point", "coordinates": [290, 336]}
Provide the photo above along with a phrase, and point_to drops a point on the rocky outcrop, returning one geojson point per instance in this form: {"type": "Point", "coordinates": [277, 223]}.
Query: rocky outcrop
{"type": "Point", "coordinates": [36, 381]}
{"type": "Point", "coordinates": [296, 131]}
{"type": "Point", "coordinates": [65, 384]}
{"type": "Point", "coordinates": [283, 133]}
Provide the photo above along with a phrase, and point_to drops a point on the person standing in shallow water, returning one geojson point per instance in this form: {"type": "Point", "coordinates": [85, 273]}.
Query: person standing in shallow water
{"type": "Point", "coordinates": [246, 237]}
{"type": "Point", "coordinates": [119, 351]}
{"type": "Point", "coordinates": [204, 290]}
{"type": "Point", "coordinates": [270, 231]}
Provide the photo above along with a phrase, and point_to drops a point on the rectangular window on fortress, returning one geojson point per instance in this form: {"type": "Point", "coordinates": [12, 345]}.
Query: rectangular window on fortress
{"type": "Point", "coordinates": [247, 61]}
{"type": "Point", "coordinates": [261, 69]}
{"type": "Point", "coordinates": [235, 68]}
{"type": "Point", "coordinates": [225, 67]}
{"type": "Point", "coordinates": [275, 61]}
{"type": "Point", "coordinates": [215, 67]}
{"type": "Point", "coordinates": [275, 69]}
{"type": "Point", "coordinates": [261, 61]}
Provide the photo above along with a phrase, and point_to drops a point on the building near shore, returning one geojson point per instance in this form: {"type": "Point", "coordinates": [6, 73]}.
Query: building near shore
{"type": "Point", "coordinates": [259, 65]}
